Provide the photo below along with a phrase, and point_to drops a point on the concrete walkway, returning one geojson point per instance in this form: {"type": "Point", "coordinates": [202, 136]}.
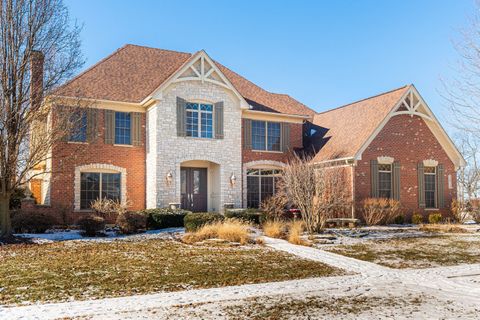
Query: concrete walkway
{"type": "Point", "coordinates": [332, 259]}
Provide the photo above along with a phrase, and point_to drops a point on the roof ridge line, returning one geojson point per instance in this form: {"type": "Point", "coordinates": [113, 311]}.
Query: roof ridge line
{"type": "Point", "coordinates": [368, 98]}
{"type": "Point", "coordinates": [154, 48]}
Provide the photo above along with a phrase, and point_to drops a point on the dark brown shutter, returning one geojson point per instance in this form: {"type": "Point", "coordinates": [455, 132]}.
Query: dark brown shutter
{"type": "Point", "coordinates": [440, 186]}
{"type": "Point", "coordinates": [136, 128]}
{"type": "Point", "coordinates": [421, 183]}
{"type": "Point", "coordinates": [374, 178]}
{"type": "Point", "coordinates": [218, 114]}
{"type": "Point", "coordinates": [396, 180]}
{"type": "Point", "coordinates": [92, 125]}
{"type": "Point", "coordinates": [285, 136]}
{"type": "Point", "coordinates": [181, 105]}
{"type": "Point", "coordinates": [109, 127]}
{"type": "Point", "coordinates": [247, 134]}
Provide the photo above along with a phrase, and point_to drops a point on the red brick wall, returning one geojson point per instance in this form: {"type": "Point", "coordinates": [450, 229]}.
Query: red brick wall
{"type": "Point", "coordinates": [67, 156]}
{"type": "Point", "coordinates": [409, 141]}
{"type": "Point", "coordinates": [296, 136]}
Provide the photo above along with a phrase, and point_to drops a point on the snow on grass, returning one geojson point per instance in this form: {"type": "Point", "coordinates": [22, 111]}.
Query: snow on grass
{"type": "Point", "coordinates": [79, 270]}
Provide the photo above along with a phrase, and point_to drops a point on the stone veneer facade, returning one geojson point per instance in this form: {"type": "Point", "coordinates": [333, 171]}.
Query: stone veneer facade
{"type": "Point", "coordinates": [166, 151]}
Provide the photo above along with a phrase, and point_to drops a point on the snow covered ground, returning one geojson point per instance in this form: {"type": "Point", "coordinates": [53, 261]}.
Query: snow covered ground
{"type": "Point", "coordinates": [371, 292]}
{"type": "Point", "coordinates": [64, 235]}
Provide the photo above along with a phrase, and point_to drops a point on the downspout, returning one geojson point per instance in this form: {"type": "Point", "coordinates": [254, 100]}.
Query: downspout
{"type": "Point", "coordinates": [352, 177]}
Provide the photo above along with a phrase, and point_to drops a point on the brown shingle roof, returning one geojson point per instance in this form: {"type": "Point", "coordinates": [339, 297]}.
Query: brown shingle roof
{"type": "Point", "coordinates": [133, 72]}
{"type": "Point", "coordinates": [346, 128]}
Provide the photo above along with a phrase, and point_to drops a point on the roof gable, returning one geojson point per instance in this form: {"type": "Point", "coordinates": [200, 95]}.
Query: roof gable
{"type": "Point", "coordinates": [344, 130]}
{"type": "Point", "coordinates": [133, 73]}
{"type": "Point", "coordinates": [347, 131]}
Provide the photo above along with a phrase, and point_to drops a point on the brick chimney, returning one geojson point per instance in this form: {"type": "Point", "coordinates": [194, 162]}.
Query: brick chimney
{"type": "Point", "coordinates": [36, 81]}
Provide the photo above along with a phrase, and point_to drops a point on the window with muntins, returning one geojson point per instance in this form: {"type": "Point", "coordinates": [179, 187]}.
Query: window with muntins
{"type": "Point", "coordinates": [430, 178]}
{"type": "Point", "coordinates": [385, 181]}
{"type": "Point", "coordinates": [123, 128]}
{"type": "Point", "coordinates": [266, 135]}
{"type": "Point", "coordinates": [199, 120]}
{"type": "Point", "coordinates": [98, 185]}
{"type": "Point", "coordinates": [261, 184]}
{"type": "Point", "coordinates": [79, 130]}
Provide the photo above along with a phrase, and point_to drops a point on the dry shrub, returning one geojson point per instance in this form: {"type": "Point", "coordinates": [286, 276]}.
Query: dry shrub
{"type": "Point", "coordinates": [446, 228]}
{"type": "Point", "coordinates": [275, 229]}
{"type": "Point", "coordinates": [380, 210]}
{"type": "Point", "coordinates": [417, 218]}
{"type": "Point", "coordinates": [295, 232]}
{"type": "Point", "coordinates": [131, 222]}
{"type": "Point", "coordinates": [459, 212]}
{"type": "Point", "coordinates": [232, 230]}
{"type": "Point", "coordinates": [92, 225]}
{"type": "Point", "coordinates": [318, 192]}
{"type": "Point", "coordinates": [274, 206]}
{"type": "Point", "coordinates": [106, 206]}
{"type": "Point", "coordinates": [32, 221]}
{"type": "Point", "coordinates": [435, 218]}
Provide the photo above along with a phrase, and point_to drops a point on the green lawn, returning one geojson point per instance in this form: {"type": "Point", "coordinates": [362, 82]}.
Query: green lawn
{"type": "Point", "coordinates": [421, 252]}
{"type": "Point", "coordinates": [86, 270]}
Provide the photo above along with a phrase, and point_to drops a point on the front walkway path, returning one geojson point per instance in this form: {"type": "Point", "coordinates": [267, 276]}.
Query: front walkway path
{"type": "Point", "coordinates": [446, 287]}
{"type": "Point", "coordinates": [335, 260]}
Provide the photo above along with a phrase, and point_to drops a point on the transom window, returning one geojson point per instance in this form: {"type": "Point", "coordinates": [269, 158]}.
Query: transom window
{"type": "Point", "coordinates": [122, 128]}
{"type": "Point", "coordinates": [385, 181]}
{"type": "Point", "coordinates": [199, 120]}
{"type": "Point", "coordinates": [79, 130]}
{"type": "Point", "coordinates": [430, 178]}
{"type": "Point", "coordinates": [265, 135]}
{"type": "Point", "coordinates": [98, 185]}
{"type": "Point", "coordinates": [261, 184]}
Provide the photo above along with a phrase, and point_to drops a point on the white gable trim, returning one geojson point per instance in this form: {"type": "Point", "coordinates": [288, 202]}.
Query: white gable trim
{"type": "Point", "coordinates": [421, 109]}
{"type": "Point", "coordinates": [203, 75]}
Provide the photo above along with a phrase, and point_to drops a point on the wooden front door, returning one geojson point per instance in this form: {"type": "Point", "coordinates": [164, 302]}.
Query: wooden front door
{"type": "Point", "coordinates": [194, 189]}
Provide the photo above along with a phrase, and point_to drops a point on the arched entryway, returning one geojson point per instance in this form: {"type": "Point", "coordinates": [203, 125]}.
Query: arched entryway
{"type": "Point", "coordinates": [200, 185]}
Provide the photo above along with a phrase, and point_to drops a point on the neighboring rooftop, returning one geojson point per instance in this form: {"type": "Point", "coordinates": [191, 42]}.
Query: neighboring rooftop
{"type": "Point", "coordinates": [133, 72]}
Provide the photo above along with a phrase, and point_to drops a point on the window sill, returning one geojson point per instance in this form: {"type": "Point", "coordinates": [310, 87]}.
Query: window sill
{"type": "Point", "coordinates": [200, 138]}
{"type": "Point", "coordinates": [83, 211]}
{"type": "Point", "coordinates": [267, 151]}
{"type": "Point", "coordinates": [123, 145]}
{"type": "Point", "coordinates": [77, 142]}
{"type": "Point", "coordinates": [431, 209]}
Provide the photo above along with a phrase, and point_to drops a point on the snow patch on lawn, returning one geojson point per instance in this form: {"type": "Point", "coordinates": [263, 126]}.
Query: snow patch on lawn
{"type": "Point", "coordinates": [65, 235]}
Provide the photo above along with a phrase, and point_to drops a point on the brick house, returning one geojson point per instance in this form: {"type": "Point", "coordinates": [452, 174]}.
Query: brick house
{"type": "Point", "coordinates": [167, 127]}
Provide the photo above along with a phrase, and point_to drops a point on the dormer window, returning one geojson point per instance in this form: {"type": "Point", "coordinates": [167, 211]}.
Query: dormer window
{"type": "Point", "coordinates": [199, 120]}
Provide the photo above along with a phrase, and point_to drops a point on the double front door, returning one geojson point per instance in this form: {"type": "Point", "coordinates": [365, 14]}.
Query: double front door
{"type": "Point", "coordinates": [194, 189]}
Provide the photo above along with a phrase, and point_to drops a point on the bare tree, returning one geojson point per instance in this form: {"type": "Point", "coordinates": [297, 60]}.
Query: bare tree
{"type": "Point", "coordinates": [39, 49]}
{"type": "Point", "coordinates": [318, 192]}
{"type": "Point", "coordinates": [469, 177]}
{"type": "Point", "coordinates": [462, 93]}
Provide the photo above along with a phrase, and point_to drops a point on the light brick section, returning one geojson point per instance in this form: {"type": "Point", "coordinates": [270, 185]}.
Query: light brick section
{"type": "Point", "coordinates": [172, 151]}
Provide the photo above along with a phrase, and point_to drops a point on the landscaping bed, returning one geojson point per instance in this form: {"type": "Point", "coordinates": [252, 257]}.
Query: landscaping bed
{"type": "Point", "coordinates": [407, 251]}
{"type": "Point", "coordinates": [80, 270]}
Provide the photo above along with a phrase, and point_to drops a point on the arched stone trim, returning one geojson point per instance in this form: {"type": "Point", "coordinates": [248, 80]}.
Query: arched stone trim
{"type": "Point", "coordinates": [100, 167]}
{"type": "Point", "coordinates": [385, 160]}
{"type": "Point", "coordinates": [430, 163]}
{"type": "Point", "coordinates": [258, 164]}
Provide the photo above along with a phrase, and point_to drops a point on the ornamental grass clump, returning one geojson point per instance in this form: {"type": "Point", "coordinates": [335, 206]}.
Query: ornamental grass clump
{"type": "Point", "coordinates": [231, 230]}
{"type": "Point", "coordinates": [275, 229]}
{"type": "Point", "coordinates": [295, 232]}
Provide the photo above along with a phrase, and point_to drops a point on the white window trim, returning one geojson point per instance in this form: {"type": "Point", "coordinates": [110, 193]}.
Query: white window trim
{"type": "Point", "coordinates": [430, 163]}
{"type": "Point", "coordinates": [99, 168]}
